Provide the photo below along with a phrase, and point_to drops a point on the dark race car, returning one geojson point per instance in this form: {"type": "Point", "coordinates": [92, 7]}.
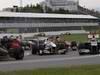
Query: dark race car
{"type": "Point", "coordinates": [91, 47]}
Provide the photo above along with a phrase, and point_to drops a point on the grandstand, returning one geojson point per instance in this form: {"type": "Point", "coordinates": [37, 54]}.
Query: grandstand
{"type": "Point", "coordinates": [44, 22]}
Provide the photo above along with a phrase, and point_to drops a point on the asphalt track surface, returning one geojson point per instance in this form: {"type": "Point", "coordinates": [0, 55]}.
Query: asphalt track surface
{"type": "Point", "coordinates": [48, 61]}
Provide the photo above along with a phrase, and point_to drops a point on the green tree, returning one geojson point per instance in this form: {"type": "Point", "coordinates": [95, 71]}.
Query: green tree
{"type": "Point", "coordinates": [61, 11]}
{"type": "Point", "coordinates": [38, 9]}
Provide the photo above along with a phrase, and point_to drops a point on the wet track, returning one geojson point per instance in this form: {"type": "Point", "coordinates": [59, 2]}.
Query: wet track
{"type": "Point", "coordinates": [34, 61]}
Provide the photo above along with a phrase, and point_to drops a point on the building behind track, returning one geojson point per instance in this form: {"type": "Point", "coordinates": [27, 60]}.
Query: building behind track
{"type": "Point", "coordinates": [44, 22]}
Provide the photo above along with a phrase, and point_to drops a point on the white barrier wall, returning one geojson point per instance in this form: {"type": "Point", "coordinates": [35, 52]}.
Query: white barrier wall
{"type": "Point", "coordinates": [47, 33]}
{"type": "Point", "coordinates": [9, 25]}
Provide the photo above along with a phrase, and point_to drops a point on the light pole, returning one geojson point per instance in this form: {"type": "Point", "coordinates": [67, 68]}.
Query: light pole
{"type": "Point", "coordinates": [44, 7]}
{"type": "Point", "coordinates": [78, 2]}
{"type": "Point", "coordinates": [21, 3]}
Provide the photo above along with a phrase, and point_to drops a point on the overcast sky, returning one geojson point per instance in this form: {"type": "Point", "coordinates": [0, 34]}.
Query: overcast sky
{"type": "Point", "coordinates": [9, 3]}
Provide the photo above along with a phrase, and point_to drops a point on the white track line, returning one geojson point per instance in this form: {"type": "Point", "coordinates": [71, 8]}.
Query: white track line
{"type": "Point", "coordinates": [47, 60]}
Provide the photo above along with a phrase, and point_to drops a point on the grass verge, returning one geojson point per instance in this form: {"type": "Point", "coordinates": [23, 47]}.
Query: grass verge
{"type": "Point", "coordinates": [76, 37]}
{"type": "Point", "coordinates": [78, 70]}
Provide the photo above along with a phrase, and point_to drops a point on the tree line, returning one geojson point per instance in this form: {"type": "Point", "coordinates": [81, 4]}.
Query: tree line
{"type": "Point", "coordinates": [39, 9]}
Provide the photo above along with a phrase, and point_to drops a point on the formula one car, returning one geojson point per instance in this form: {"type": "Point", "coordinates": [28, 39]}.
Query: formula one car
{"type": "Point", "coordinates": [12, 48]}
{"type": "Point", "coordinates": [52, 48]}
{"type": "Point", "coordinates": [41, 47]}
{"type": "Point", "coordinates": [90, 47]}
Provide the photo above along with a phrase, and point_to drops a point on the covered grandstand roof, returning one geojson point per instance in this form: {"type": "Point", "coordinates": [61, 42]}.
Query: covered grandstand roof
{"type": "Point", "coordinates": [44, 15]}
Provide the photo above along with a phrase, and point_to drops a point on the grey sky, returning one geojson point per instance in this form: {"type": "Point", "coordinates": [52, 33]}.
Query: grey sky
{"type": "Point", "coordinates": [90, 3]}
{"type": "Point", "coordinates": [10, 3]}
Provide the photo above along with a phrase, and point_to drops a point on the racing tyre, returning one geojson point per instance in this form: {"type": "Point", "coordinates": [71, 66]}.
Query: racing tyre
{"type": "Point", "coordinates": [63, 53]}
{"type": "Point", "coordinates": [74, 49]}
{"type": "Point", "coordinates": [34, 49]}
{"type": "Point", "coordinates": [81, 53]}
{"type": "Point", "coordinates": [19, 55]}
